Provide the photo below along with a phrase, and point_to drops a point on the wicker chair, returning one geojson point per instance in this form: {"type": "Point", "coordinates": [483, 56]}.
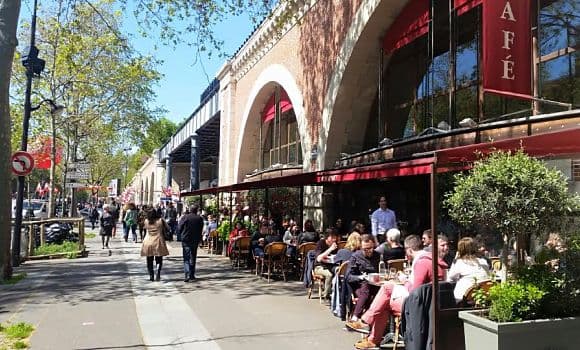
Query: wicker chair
{"type": "Point", "coordinates": [212, 246]}
{"type": "Point", "coordinates": [240, 251]}
{"type": "Point", "coordinates": [275, 257]}
{"type": "Point", "coordinates": [303, 250]}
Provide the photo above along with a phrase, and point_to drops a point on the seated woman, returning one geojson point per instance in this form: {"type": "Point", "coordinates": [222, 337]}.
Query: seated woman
{"type": "Point", "coordinates": [238, 231]}
{"type": "Point", "coordinates": [309, 234]}
{"type": "Point", "coordinates": [468, 269]}
{"type": "Point", "coordinates": [290, 238]}
{"type": "Point", "coordinates": [392, 248]}
{"type": "Point", "coordinates": [353, 244]}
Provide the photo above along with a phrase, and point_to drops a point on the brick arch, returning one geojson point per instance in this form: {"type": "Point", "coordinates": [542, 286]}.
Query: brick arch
{"type": "Point", "coordinates": [355, 80]}
{"type": "Point", "coordinates": [247, 146]}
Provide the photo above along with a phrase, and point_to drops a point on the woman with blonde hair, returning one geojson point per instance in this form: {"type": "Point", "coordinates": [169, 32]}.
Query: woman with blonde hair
{"type": "Point", "coordinates": [467, 269]}
{"type": "Point", "coordinates": [353, 243]}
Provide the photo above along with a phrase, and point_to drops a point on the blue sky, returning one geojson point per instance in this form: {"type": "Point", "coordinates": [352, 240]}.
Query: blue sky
{"type": "Point", "coordinates": [183, 82]}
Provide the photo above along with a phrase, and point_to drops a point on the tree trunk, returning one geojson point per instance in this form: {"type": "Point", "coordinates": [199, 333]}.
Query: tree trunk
{"type": "Point", "coordinates": [9, 12]}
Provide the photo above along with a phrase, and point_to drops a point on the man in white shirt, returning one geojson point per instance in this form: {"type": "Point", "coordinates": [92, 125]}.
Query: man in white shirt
{"type": "Point", "coordinates": [382, 220]}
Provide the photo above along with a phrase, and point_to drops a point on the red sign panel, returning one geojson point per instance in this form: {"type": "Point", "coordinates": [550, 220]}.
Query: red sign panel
{"type": "Point", "coordinates": [507, 48]}
{"type": "Point", "coordinates": [22, 163]}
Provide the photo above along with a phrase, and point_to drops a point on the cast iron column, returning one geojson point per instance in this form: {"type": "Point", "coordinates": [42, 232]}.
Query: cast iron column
{"type": "Point", "coordinates": [194, 173]}
{"type": "Point", "coordinates": [168, 164]}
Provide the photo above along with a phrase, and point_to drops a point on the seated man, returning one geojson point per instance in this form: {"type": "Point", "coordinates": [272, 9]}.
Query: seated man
{"type": "Point", "coordinates": [323, 265]}
{"type": "Point", "coordinates": [363, 261]}
{"type": "Point", "coordinates": [258, 240]}
{"type": "Point", "coordinates": [390, 297]}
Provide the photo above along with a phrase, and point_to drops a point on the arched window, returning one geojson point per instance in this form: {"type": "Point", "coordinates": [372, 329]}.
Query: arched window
{"type": "Point", "coordinates": [432, 71]}
{"type": "Point", "coordinates": [280, 138]}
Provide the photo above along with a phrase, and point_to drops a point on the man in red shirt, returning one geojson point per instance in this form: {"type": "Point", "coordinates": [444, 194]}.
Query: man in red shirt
{"type": "Point", "coordinates": [391, 296]}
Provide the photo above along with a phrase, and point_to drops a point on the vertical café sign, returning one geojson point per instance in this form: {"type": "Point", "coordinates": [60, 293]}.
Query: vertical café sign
{"type": "Point", "coordinates": [507, 47]}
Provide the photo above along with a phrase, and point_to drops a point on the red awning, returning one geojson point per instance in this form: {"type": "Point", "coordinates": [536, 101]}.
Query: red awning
{"type": "Point", "coordinates": [410, 24]}
{"type": "Point", "coordinates": [269, 111]}
{"type": "Point", "coordinates": [559, 143]}
{"type": "Point", "coordinates": [462, 6]}
{"type": "Point", "coordinates": [420, 166]}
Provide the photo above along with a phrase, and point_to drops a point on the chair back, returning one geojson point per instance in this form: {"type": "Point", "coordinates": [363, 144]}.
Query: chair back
{"type": "Point", "coordinates": [341, 270]}
{"type": "Point", "coordinates": [496, 264]}
{"type": "Point", "coordinates": [275, 249]}
{"type": "Point", "coordinates": [468, 297]}
{"type": "Point", "coordinates": [306, 247]}
{"type": "Point", "coordinates": [398, 264]}
{"type": "Point", "coordinates": [242, 243]}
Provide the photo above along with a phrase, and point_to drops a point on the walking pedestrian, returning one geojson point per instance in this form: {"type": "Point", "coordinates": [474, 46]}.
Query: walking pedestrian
{"type": "Point", "coordinates": [190, 229]}
{"type": "Point", "coordinates": [171, 218]}
{"type": "Point", "coordinates": [130, 222]}
{"type": "Point", "coordinates": [114, 211]}
{"type": "Point", "coordinates": [154, 246]}
{"type": "Point", "coordinates": [107, 224]}
{"type": "Point", "coordinates": [93, 216]}
{"type": "Point", "coordinates": [141, 221]}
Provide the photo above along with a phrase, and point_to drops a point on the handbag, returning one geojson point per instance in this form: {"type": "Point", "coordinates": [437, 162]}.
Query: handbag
{"type": "Point", "coordinates": [166, 231]}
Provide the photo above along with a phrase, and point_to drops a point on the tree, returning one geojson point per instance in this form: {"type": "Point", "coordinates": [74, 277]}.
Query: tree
{"type": "Point", "coordinates": [512, 194]}
{"type": "Point", "coordinates": [199, 17]}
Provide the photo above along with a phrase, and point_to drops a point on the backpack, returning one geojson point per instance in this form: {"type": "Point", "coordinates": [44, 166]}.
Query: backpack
{"type": "Point", "coordinates": [131, 218]}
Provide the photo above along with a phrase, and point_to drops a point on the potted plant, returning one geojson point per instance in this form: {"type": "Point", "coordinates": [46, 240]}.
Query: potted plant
{"type": "Point", "coordinates": [518, 197]}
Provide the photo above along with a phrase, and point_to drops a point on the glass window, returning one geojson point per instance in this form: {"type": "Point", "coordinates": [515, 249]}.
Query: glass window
{"type": "Point", "coordinates": [282, 141]}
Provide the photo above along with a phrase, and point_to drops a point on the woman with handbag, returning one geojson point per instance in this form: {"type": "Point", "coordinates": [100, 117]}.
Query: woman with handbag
{"type": "Point", "coordinates": [154, 246]}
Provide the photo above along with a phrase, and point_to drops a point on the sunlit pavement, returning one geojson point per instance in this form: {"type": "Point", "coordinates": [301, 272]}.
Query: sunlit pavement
{"type": "Point", "coordinates": [106, 301]}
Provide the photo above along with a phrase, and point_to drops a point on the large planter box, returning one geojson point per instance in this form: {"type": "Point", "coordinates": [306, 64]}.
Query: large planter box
{"type": "Point", "coordinates": [483, 334]}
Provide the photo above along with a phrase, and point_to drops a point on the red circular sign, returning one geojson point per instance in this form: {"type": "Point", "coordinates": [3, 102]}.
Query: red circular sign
{"type": "Point", "coordinates": [22, 163]}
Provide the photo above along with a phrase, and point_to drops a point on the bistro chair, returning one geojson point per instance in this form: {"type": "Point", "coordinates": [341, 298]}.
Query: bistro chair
{"type": "Point", "coordinates": [341, 244]}
{"type": "Point", "coordinates": [318, 280]}
{"type": "Point", "coordinates": [212, 246]}
{"type": "Point", "coordinates": [240, 251]}
{"type": "Point", "coordinates": [469, 296]}
{"type": "Point", "coordinates": [398, 264]}
{"type": "Point", "coordinates": [496, 264]}
{"type": "Point", "coordinates": [303, 250]}
{"type": "Point", "coordinates": [275, 257]}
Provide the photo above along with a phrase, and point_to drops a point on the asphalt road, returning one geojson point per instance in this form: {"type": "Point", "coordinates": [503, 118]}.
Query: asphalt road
{"type": "Point", "coordinates": [107, 302]}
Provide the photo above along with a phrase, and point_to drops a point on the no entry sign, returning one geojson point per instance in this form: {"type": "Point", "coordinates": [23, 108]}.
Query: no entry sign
{"type": "Point", "coordinates": [22, 163]}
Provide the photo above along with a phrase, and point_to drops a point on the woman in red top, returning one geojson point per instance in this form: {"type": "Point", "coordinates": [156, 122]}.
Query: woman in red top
{"type": "Point", "coordinates": [238, 231]}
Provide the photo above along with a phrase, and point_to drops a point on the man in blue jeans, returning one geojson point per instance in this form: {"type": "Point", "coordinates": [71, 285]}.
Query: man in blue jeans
{"type": "Point", "coordinates": [190, 228]}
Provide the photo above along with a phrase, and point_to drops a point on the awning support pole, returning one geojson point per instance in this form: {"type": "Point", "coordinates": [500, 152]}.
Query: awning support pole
{"type": "Point", "coordinates": [435, 252]}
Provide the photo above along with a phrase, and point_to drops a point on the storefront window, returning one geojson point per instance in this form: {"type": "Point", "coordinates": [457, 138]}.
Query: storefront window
{"type": "Point", "coordinates": [559, 61]}
{"type": "Point", "coordinates": [282, 141]}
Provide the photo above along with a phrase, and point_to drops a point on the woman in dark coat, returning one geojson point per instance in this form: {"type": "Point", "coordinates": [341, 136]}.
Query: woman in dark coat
{"type": "Point", "coordinates": [107, 223]}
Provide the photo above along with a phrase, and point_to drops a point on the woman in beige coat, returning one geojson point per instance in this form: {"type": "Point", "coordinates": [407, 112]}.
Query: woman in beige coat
{"type": "Point", "coordinates": [154, 243]}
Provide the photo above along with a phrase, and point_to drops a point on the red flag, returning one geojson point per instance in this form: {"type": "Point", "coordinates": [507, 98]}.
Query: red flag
{"type": "Point", "coordinates": [507, 47]}
{"type": "Point", "coordinates": [40, 151]}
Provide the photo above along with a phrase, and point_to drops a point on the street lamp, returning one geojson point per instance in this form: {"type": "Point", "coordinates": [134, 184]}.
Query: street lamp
{"type": "Point", "coordinates": [55, 110]}
{"type": "Point", "coordinates": [34, 66]}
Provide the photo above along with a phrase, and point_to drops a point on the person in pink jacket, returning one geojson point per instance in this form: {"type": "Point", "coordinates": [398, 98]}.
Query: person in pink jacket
{"type": "Point", "coordinates": [391, 296]}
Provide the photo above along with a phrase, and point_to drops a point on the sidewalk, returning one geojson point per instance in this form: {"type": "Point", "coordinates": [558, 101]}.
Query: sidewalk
{"type": "Point", "coordinates": [107, 302]}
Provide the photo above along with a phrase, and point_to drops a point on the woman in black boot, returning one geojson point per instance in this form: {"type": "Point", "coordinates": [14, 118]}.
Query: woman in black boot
{"type": "Point", "coordinates": [154, 247]}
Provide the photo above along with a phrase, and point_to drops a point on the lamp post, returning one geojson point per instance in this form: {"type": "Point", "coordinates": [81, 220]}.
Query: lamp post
{"type": "Point", "coordinates": [126, 150]}
{"type": "Point", "coordinates": [33, 65]}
